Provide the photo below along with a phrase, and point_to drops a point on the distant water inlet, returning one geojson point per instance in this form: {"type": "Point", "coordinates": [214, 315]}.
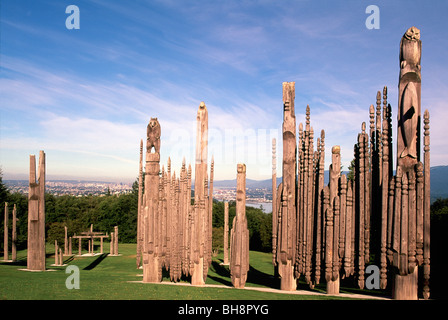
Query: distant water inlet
{"type": "Point", "coordinates": [265, 206]}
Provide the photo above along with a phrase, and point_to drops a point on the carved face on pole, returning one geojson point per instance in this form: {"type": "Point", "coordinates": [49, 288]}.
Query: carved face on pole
{"type": "Point", "coordinates": [412, 34]}
{"type": "Point", "coordinates": [241, 194]}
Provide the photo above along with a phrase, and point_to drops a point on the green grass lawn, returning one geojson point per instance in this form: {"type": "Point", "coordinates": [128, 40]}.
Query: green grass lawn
{"type": "Point", "coordinates": [106, 277]}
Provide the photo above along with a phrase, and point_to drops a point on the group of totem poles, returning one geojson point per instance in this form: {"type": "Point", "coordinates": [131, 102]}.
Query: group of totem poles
{"type": "Point", "coordinates": [374, 216]}
{"type": "Point", "coordinates": [173, 233]}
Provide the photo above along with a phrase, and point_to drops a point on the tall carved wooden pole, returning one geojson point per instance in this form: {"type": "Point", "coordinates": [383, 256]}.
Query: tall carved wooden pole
{"type": "Point", "coordinates": [287, 227]}
{"type": "Point", "coordinates": [411, 207]}
{"type": "Point", "coordinates": [14, 234]}
{"type": "Point", "coordinates": [185, 195]}
{"type": "Point", "coordinates": [426, 212]}
{"type": "Point", "coordinates": [151, 248]}
{"type": "Point", "coordinates": [362, 199]}
{"type": "Point", "coordinates": [226, 233]}
{"type": "Point", "coordinates": [239, 237]}
{"type": "Point", "coordinates": [201, 212]}
{"type": "Point", "coordinates": [409, 100]}
{"type": "Point", "coordinates": [274, 203]}
{"type": "Point", "coordinates": [36, 215]}
{"type": "Point", "coordinates": [320, 213]}
{"type": "Point", "coordinates": [139, 210]}
{"type": "Point", "coordinates": [332, 233]}
{"type": "Point", "coordinates": [210, 216]}
{"type": "Point", "coordinates": [5, 234]}
{"type": "Point", "coordinates": [386, 175]}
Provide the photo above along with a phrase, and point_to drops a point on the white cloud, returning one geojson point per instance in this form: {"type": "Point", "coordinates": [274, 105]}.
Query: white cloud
{"type": "Point", "coordinates": [231, 59]}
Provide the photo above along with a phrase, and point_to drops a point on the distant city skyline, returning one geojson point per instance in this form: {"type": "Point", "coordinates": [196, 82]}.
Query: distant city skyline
{"type": "Point", "coordinates": [85, 96]}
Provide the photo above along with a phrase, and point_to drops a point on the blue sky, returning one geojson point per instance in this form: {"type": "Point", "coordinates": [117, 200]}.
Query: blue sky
{"type": "Point", "coordinates": [85, 96]}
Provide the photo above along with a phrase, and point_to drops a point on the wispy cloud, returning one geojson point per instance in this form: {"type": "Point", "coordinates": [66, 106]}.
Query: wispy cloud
{"type": "Point", "coordinates": [87, 96]}
{"type": "Point", "coordinates": [93, 129]}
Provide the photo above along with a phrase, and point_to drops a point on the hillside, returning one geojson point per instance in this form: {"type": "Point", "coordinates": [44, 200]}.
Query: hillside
{"type": "Point", "coordinates": [439, 182]}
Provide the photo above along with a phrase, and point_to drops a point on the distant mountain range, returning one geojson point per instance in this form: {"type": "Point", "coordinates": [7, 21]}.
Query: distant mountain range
{"type": "Point", "coordinates": [439, 182]}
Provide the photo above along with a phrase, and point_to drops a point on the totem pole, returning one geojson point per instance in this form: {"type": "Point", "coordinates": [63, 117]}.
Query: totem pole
{"type": "Point", "coordinates": [309, 187]}
{"type": "Point", "coordinates": [5, 234]}
{"type": "Point", "coordinates": [200, 233]}
{"type": "Point", "coordinates": [139, 209]}
{"type": "Point", "coordinates": [239, 235]}
{"type": "Point", "coordinates": [36, 215]}
{"type": "Point", "coordinates": [226, 233]}
{"type": "Point", "coordinates": [320, 213]}
{"type": "Point", "coordinates": [286, 223]}
{"type": "Point", "coordinates": [339, 228]}
{"type": "Point", "coordinates": [14, 234]}
{"type": "Point", "coordinates": [333, 224]}
{"type": "Point", "coordinates": [409, 100]}
{"type": "Point", "coordinates": [65, 241]}
{"type": "Point", "coordinates": [151, 248]}
{"type": "Point", "coordinates": [411, 223]}
{"type": "Point", "coordinates": [274, 205]}
{"type": "Point", "coordinates": [362, 185]}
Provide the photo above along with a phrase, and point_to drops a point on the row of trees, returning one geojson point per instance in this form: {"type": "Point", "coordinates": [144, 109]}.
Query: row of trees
{"type": "Point", "coordinates": [107, 211]}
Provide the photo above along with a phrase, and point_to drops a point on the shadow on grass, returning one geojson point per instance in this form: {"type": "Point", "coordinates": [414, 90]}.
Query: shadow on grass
{"type": "Point", "coordinates": [258, 277]}
{"type": "Point", "coordinates": [18, 262]}
{"type": "Point", "coordinates": [69, 259]}
{"type": "Point", "coordinates": [254, 276]}
{"type": "Point", "coordinates": [222, 271]}
{"type": "Point", "coordinates": [96, 262]}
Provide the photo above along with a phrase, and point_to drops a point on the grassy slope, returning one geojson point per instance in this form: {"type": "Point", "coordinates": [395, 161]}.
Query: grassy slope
{"type": "Point", "coordinates": [109, 279]}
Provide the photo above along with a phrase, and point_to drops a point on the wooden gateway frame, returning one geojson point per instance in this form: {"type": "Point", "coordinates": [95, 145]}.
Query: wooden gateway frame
{"type": "Point", "coordinates": [91, 236]}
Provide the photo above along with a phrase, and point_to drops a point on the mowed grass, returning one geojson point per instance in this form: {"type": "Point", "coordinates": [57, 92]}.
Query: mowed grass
{"type": "Point", "coordinates": [104, 277]}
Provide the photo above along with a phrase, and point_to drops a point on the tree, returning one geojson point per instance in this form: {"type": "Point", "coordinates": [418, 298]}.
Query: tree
{"type": "Point", "coordinates": [439, 242]}
{"type": "Point", "coordinates": [4, 192]}
{"type": "Point", "coordinates": [351, 170]}
{"type": "Point", "coordinates": [218, 238]}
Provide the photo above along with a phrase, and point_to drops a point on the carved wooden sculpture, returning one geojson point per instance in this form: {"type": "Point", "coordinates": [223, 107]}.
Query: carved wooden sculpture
{"type": "Point", "coordinates": [184, 208]}
{"type": "Point", "coordinates": [386, 173]}
{"type": "Point", "coordinates": [343, 226]}
{"type": "Point", "coordinates": [209, 227]}
{"type": "Point", "coordinates": [65, 241]}
{"type": "Point", "coordinates": [239, 236]}
{"type": "Point", "coordinates": [139, 210]}
{"type": "Point", "coordinates": [226, 233]}
{"type": "Point", "coordinates": [14, 234]}
{"type": "Point", "coordinates": [274, 204]}
{"type": "Point", "coordinates": [426, 228]}
{"type": "Point", "coordinates": [200, 234]}
{"type": "Point", "coordinates": [349, 239]}
{"type": "Point", "coordinates": [115, 241]}
{"type": "Point", "coordinates": [333, 217]}
{"type": "Point", "coordinates": [362, 197]}
{"type": "Point", "coordinates": [310, 184]}
{"type": "Point", "coordinates": [287, 228]}
{"type": "Point", "coordinates": [151, 246]}
{"type": "Point", "coordinates": [409, 99]}
{"type": "Point", "coordinates": [173, 233]}
{"type": "Point", "coordinates": [36, 215]}
{"type": "Point", "coordinates": [58, 256]}
{"type": "Point", "coordinates": [5, 234]}
{"type": "Point", "coordinates": [320, 214]}
{"type": "Point", "coordinates": [410, 231]}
